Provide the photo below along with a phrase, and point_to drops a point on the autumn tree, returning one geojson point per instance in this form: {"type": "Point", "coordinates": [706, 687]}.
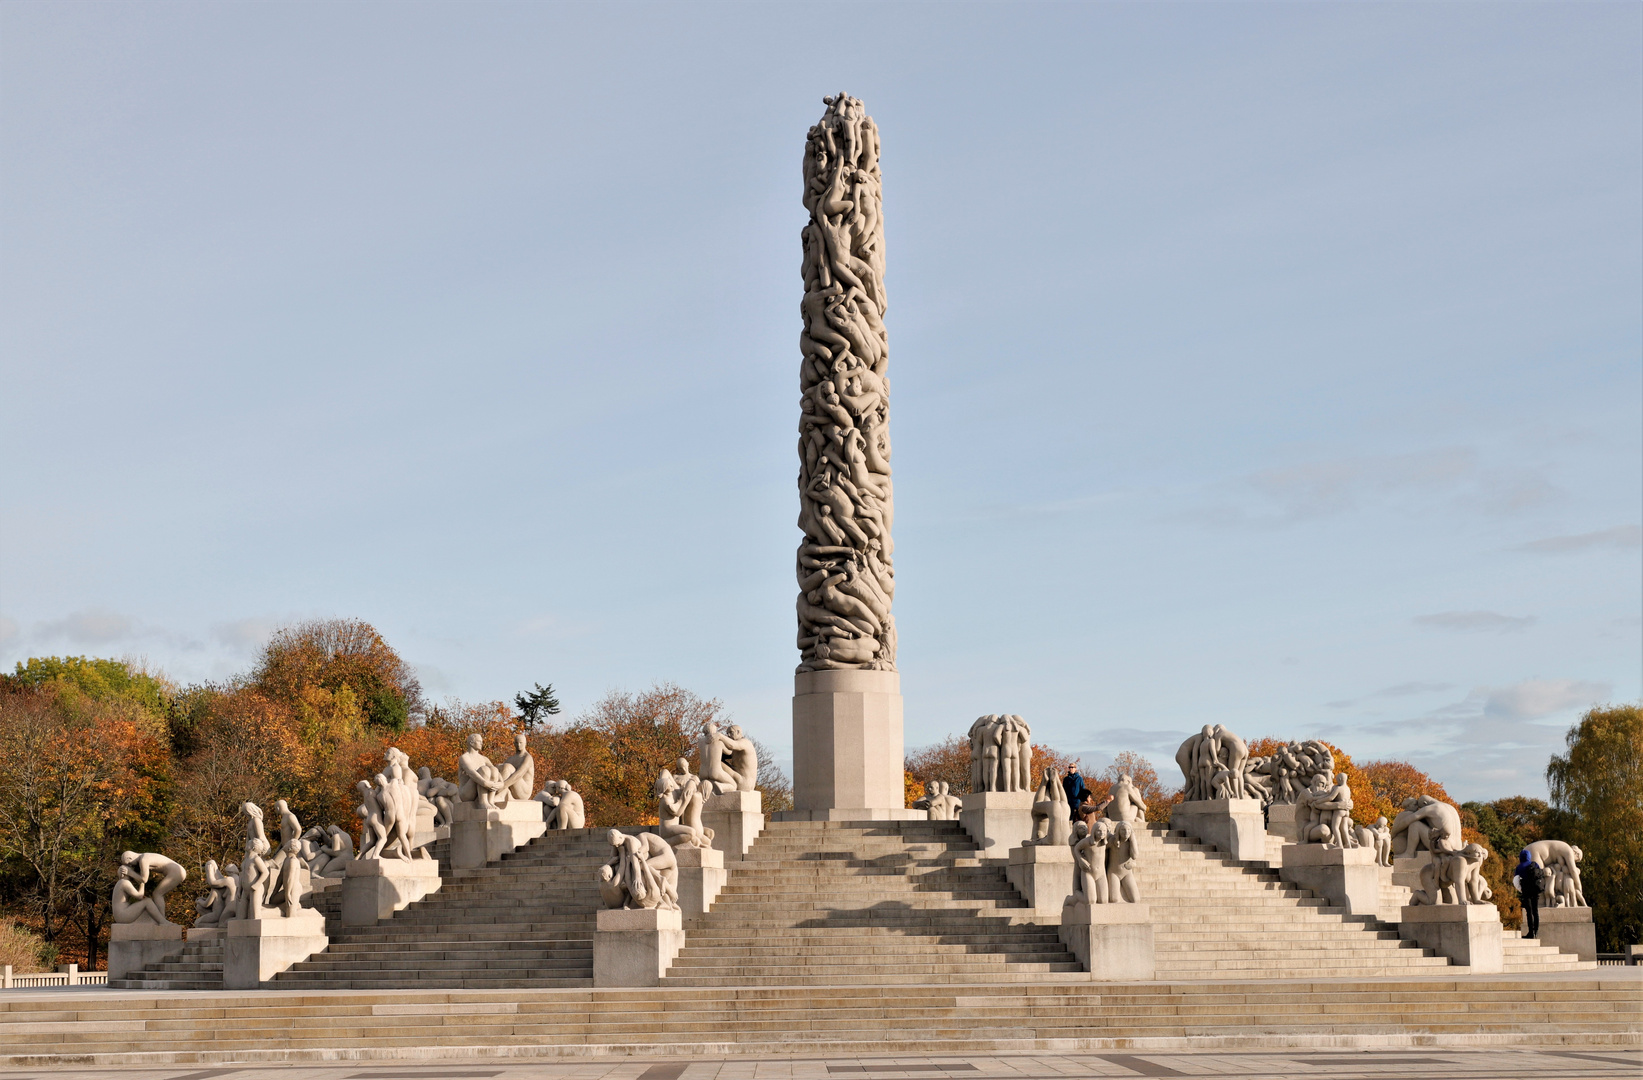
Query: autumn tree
{"type": "Point", "coordinates": [339, 676]}
{"type": "Point", "coordinates": [1597, 784]}
{"type": "Point", "coordinates": [947, 761]}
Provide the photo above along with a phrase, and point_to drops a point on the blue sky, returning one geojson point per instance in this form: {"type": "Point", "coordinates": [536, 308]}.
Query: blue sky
{"type": "Point", "coordinates": [1268, 365]}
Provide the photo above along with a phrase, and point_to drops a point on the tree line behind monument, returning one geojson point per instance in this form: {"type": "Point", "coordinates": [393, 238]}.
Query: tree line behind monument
{"type": "Point", "coordinates": [100, 756]}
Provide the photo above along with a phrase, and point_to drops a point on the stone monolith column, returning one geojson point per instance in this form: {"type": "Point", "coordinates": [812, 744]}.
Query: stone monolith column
{"type": "Point", "coordinates": [847, 741]}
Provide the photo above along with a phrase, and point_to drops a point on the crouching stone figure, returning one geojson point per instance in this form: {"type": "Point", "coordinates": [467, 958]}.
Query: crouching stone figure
{"type": "Point", "coordinates": [642, 874]}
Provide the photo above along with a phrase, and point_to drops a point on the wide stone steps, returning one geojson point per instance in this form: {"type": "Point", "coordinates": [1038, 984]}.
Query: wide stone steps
{"type": "Point", "coordinates": [197, 967]}
{"type": "Point", "coordinates": [106, 1028]}
{"type": "Point", "coordinates": [816, 903]}
{"type": "Point", "coordinates": [525, 922]}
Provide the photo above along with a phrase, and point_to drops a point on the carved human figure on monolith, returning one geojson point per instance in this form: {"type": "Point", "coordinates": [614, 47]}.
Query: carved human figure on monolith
{"type": "Point", "coordinates": [1122, 853]}
{"type": "Point", "coordinates": [1416, 827]}
{"type": "Point", "coordinates": [520, 769]}
{"type": "Point", "coordinates": [1562, 860]}
{"type": "Point", "coordinates": [846, 500]}
{"type": "Point", "coordinates": [139, 869]}
{"type": "Point", "coordinates": [741, 758]}
{"type": "Point", "coordinates": [479, 781]}
{"type": "Point", "coordinates": [439, 792]}
{"type": "Point", "coordinates": [1125, 802]}
{"type": "Point", "coordinates": [711, 754]}
{"type": "Point", "coordinates": [564, 806]}
{"type": "Point", "coordinates": [679, 812]}
{"type": "Point", "coordinates": [1089, 844]}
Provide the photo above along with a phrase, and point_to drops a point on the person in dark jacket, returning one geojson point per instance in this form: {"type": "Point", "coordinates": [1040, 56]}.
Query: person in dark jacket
{"type": "Point", "coordinates": [1074, 785]}
{"type": "Point", "coordinates": [1529, 879]}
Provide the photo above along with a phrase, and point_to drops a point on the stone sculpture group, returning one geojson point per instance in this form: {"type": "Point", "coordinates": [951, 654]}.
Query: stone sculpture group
{"type": "Point", "coordinates": [643, 873]}
{"type": "Point", "coordinates": [134, 902]}
{"type": "Point", "coordinates": [1001, 754]}
{"type": "Point", "coordinates": [563, 806]}
{"type": "Point", "coordinates": [1105, 856]}
{"type": "Point", "coordinates": [938, 802]}
{"type": "Point", "coordinates": [846, 505]}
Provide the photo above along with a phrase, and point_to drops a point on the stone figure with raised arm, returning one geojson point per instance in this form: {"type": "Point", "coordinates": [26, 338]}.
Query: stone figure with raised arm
{"type": "Point", "coordinates": [1122, 852]}
{"type": "Point", "coordinates": [479, 781]}
{"type": "Point", "coordinates": [254, 874]}
{"type": "Point", "coordinates": [978, 737]}
{"type": "Point", "coordinates": [140, 868]}
{"type": "Point", "coordinates": [1335, 810]}
{"type": "Point", "coordinates": [286, 891]}
{"type": "Point", "coordinates": [130, 902]}
{"type": "Point", "coordinates": [1023, 752]}
{"type": "Point", "coordinates": [644, 873]}
{"type": "Point", "coordinates": [1052, 816]}
{"type": "Point", "coordinates": [1125, 802]}
{"type": "Point", "coordinates": [679, 812]}
{"type": "Point", "coordinates": [253, 823]}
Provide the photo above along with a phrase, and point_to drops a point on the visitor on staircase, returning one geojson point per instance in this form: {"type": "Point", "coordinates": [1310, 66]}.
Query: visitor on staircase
{"type": "Point", "coordinates": [1076, 791]}
{"type": "Point", "coordinates": [1528, 880]}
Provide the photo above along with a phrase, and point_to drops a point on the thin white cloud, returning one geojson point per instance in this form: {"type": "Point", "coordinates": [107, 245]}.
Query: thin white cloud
{"type": "Point", "coordinates": [1476, 621]}
{"type": "Point", "coordinates": [9, 631]}
{"type": "Point", "coordinates": [245, 635]}
{"type": "Point", "coordinates": [1621, 537]}
{"type": "Point", "coordinates": [1322, 488]}
{"type": "Point", "coordinates": [90, 627]}
{"type": "Point", "coordinates": [1535, 699]}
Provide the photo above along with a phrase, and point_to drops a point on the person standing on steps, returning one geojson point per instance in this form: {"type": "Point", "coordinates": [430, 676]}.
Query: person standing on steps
{"type": "Point", "coordinates": [1527, 878]}
{"type": "Point", "coordinates": [1076, 791]}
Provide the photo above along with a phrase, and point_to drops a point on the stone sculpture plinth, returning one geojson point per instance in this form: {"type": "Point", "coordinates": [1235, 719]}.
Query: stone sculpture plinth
{"type": "Point", "coordinates": [1234, 826]}
{"type": "Point", "coordinates": [1346, 877]}
{"type": "Point", "coordinates": [134, 946]}
{"type": "Point", "coordinates": [701, 876]}
{"type": "Point", "coordinates": [255, 950]}
{"type": "Point", "coordinates": [1112, 941]}
{"type": "Point", "coordinates": [998, 821]}
{"type": "Point", "coordinates": [205, 933]}
{"type": "Point", "coordinates": [1569, 929]}
{"type": "Point", "coordinates": [483, 834]}
{"type": "Point", "coordinates": [847, 747]}
{"type": "Point", "coordinates": [1280, 821]}
{"type": "Point", "coordinates": [373, 889]}
{"type": "Point", "coordinates": [1468, 934]}
{"type": "Point", "coordinates": [736, 818]}
{"type": "Point", "coordinates": [1043, 873]}
{"type": "Point", "coordinates": [635, 946]}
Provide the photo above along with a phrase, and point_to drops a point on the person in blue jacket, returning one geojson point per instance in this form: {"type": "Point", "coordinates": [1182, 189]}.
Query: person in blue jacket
{"type": "Point", "coordinates": [1074, 785]}
{"type": "Point", "coordinates": [1528, 878]}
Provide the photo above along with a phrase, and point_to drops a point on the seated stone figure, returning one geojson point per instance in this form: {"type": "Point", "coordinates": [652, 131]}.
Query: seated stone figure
{"type": "Point", "coordinates": [520, 768]}
{"type": "Point", "coordinates": [1052, 817]}
{"type": "Point", "coordinates": [1421, 817]}
{"type": "Point", "coordinates": [713, 760]}
{"type": "Point", "coordinates": [335, 854]}
{"type": "Point", "coordinates": [439, 793]}
{"type": "Point", "coordinates": [642, 874]}
{"type": "Point", "coordinates": [937, 803]}
{"type": "Point", "coordinates": [564, 806]}
{"type": "Point", "coordinates": [679, 812]}
{"type": "Point", "coordinates": [128, 903]}
{"type": "Point", "coordinates": [138, 869]}
{"type": "Point", "coordinates": [479, 781]}
{"type": "Point", "coordinates": [1122, 853]}
{"type": "Point", "coordinates": [216, 904]}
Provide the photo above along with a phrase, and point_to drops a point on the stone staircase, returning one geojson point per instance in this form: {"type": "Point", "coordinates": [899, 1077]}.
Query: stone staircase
{"type": "Point", "coordinates": [105, 1028]}
{"type": "Point", "coordinates": [198, 967]}
{"type": "Point", "coordinates": [867, 903]}
{"type": "Point", "coordinates": [526, 921]}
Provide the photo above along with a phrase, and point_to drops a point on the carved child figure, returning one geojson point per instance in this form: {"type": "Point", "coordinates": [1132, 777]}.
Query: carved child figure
{"type": "Point", "coordinates": [1122, 884]}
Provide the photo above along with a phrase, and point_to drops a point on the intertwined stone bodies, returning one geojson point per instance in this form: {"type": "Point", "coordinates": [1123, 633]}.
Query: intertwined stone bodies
{"type": "Point", "coordinates": [846, 501]}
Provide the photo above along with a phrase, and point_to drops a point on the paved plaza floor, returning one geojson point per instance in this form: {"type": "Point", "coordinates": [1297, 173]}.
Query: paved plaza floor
{"type": "Point", "coordinates": [1515, 1063]}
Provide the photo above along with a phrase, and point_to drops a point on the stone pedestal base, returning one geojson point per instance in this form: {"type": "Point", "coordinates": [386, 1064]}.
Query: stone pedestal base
{"type": "Point", "coordinates": [134, 946]}
{"type": "Point", "coordinates": [255, 950]}
{"type": "Point", "coordinates": [1406, 870]}
{"type": "Point", "coordinates": [1347, 877]}
{"type": "Point", "coordinates": [997, 820]}
{"type": "Point", "coordinates": [1113, 941]}
{"type": "Point", "coordinates": [376, 888]}
{"type": "Point", "coordinates": [1234, 826]}
{"type": "Point", "coordinates": [319, 884]}
{"type": "Point", "coordinates": [635, 947]}
{"type": "Point", "coordinates": [205, 933]}
{"type": "Point", "coordinates": [847, 746]}
{"type": "Point", "coordinates": [1467, 934]}
{"type": "Point", "coordinates": [1568, 929]}
{"type": "Point", "coordinates": [481, 835]}
{"type": "Point", "coordinates": [1280, 821]}
{"type": "Point", "coordinates": [701, 876]}
{"type": "Point", "coordinates": [1044, 875]}
{"type": "Point", "coordinates": [736, 818]}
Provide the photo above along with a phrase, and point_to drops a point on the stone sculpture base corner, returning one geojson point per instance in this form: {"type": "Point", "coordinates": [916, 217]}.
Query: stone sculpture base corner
{"type": "Point", "coordinates": [635, 947]}
{"type": "Point", "coordinates": [1043, 874]}
{"type": "Point", "coordinates": [1112, 941]}
{"type": "Point", "coordinates": [736, 818]}
{"type": "Point", "coordinates": [481, 835]}
{"type": "Point", "coordinates": [134, 946]}
{"type": "Point", "coordinates": [1468, 934]}
{"type": "Point", "coordinates": [255, 950]}
{"type": "Point", "coordinates": [1570, 930]}
{"type": "Point", "coordinates": [701, 876]}
{"type": "Point", "coordinates": [1346, 877]}
{"type": "Point", "coordinates": [373, 889]}
{"type": "Point", "coordinates": [1234, 826]}
{"type": "Point", "coordinates": [847, 747]}
{"type": "Point", "coordinates": [998, 821]}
